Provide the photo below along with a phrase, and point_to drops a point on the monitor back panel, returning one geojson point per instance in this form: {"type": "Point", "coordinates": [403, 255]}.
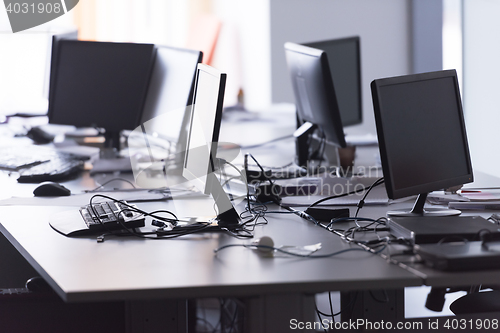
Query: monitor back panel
{"type": "Point", "coordinates": [170, 91]}
{"type": "Point", "coordinates": [344, 58]}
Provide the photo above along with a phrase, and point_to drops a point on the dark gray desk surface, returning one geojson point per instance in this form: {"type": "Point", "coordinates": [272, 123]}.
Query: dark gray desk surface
{"type": "Point", "coordinates": [81, 269]}
{"type": "Point", "coordinates": [432, 277]}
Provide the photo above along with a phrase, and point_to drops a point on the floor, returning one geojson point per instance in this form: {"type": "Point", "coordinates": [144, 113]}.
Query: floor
{"type": "Point", "coordinates": [415, 297]}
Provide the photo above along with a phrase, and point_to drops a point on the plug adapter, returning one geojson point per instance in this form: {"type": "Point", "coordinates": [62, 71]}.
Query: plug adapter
{"type": "Point", "coordinates": [256, 174]}
{"type": "Point", "coordinates": [326, 214]}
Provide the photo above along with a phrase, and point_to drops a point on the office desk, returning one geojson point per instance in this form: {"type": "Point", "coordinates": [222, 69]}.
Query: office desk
{"type": "Point", "coordinates": [80, 269]}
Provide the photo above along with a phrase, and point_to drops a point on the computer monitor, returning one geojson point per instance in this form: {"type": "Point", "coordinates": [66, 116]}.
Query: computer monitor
{"type": "Point", "coordinates": [166, 113]}
{"type": "Point", "coordinates": [315, 97]}
{"type": "Point", "coordinates": [422, 138]}
{"type": "Point", "coordinates": [201, 147]}
{"type": "Point", "coordinates": [170, 92]}
{"type": "Point", "coordinates": [344, 59]}
{"type": "Point", "coordinates": [100, 84]}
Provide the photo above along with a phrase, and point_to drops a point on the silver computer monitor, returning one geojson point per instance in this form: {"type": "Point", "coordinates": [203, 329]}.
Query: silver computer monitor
{"type": "Point", "coordinates": [203, 134]}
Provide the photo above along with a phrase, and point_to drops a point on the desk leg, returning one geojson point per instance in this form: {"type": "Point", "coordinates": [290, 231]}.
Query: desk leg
{"type": "Point", "coordinates": [151, 316]}
{"type": "Point", "coordinates": [373, 305]}
{"type": "Point", "coordinates": [14, 269]}
{"type": "Point", "coordinates": [277, 313]}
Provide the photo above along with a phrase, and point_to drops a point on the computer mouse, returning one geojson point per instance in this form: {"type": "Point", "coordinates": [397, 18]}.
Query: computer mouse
{"type": "Point", "coordinates": [51, 189]}
{"type": "Point", "coordinates": [38, 135]}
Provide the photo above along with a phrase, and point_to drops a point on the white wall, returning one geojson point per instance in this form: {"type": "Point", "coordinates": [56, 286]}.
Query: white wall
{"type": "Point", "coordinates": [383, 26]}
{"type": "Point", "coordinates": [163, 22]}
{"type": "Point", "coordinates": [24, 62]}
{"type": "Point", "coordinates": [243, 50]}
{"type": "Point", "coordinates": [481, 82]}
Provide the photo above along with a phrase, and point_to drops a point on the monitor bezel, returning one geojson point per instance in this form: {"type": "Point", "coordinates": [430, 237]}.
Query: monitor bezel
{"type": "Point", "coordinates": [334, 131]}
{"type": "Point", "coordinates": [357, 41]}
{"type": "Point", "coordinates": [396, 193]}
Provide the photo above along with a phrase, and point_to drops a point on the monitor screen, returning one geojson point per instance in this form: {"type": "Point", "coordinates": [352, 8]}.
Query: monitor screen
{"type": "Point", "coordinates": [421, 133]}
{"type": "Point", "coordinates": [100, 84]}
{"type": "Point", "coordinates": [314, 92]}
{"type": "Point", "coordinates": [345, 67]}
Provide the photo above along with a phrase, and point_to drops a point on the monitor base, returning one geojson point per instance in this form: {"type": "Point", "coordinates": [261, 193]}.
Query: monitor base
{"type": "Point", "coordinates": [228, 219]}
{"type": "Point", "coordinates": [418, 209]}
{"type": "Point", "coordinates": [111, 165]}
{"type": "Point", "coordinates": [436, 212]}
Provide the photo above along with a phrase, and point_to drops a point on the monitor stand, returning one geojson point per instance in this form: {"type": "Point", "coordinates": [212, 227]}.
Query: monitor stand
{"type": "Point", "coordinates": [227, 217]}
{"type": "Point", "coordinates": [343, 157]}
{"type": "Point", "coordinates": [418, 209]}
{"type": "Point", "coordinates": [303, 158]}
{"type": "Point", "coordinates": [302, 135]}
{"type": "Point", "coordinates": [110, 159]}
{"type": "Point", "coordinates": [112, 145]}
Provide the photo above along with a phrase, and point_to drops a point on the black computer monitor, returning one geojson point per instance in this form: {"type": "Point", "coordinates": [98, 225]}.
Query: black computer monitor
{"type": "Point", "coordinates": [422, 137]}
{"type": "Point", "coordinates": [344, 59]}
{"type": "Point", "coordinates": [201, 147]}
{"type": "Point", "coordinates": [315, 96]}
{"type": "Point", "coordinates": [100, 84]}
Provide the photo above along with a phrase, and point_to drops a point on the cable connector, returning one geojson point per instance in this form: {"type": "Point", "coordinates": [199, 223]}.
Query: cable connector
{"type": "Point", "coordinates": [495, 217]}
{"type": "Point", "coordinates": [305, 216]}
{"type": "Point", "coordinates": [158, 223]}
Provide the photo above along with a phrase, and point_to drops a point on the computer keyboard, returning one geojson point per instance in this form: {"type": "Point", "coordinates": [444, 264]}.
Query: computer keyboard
{"type": "Point", "coordinates": [39, 164]}
{"type": "Point", "coordinates": [17, 158]}
{"type": "Point", "coordinates": [111, 215]}
{"type": "Point", "coordinates": [57, 169]}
